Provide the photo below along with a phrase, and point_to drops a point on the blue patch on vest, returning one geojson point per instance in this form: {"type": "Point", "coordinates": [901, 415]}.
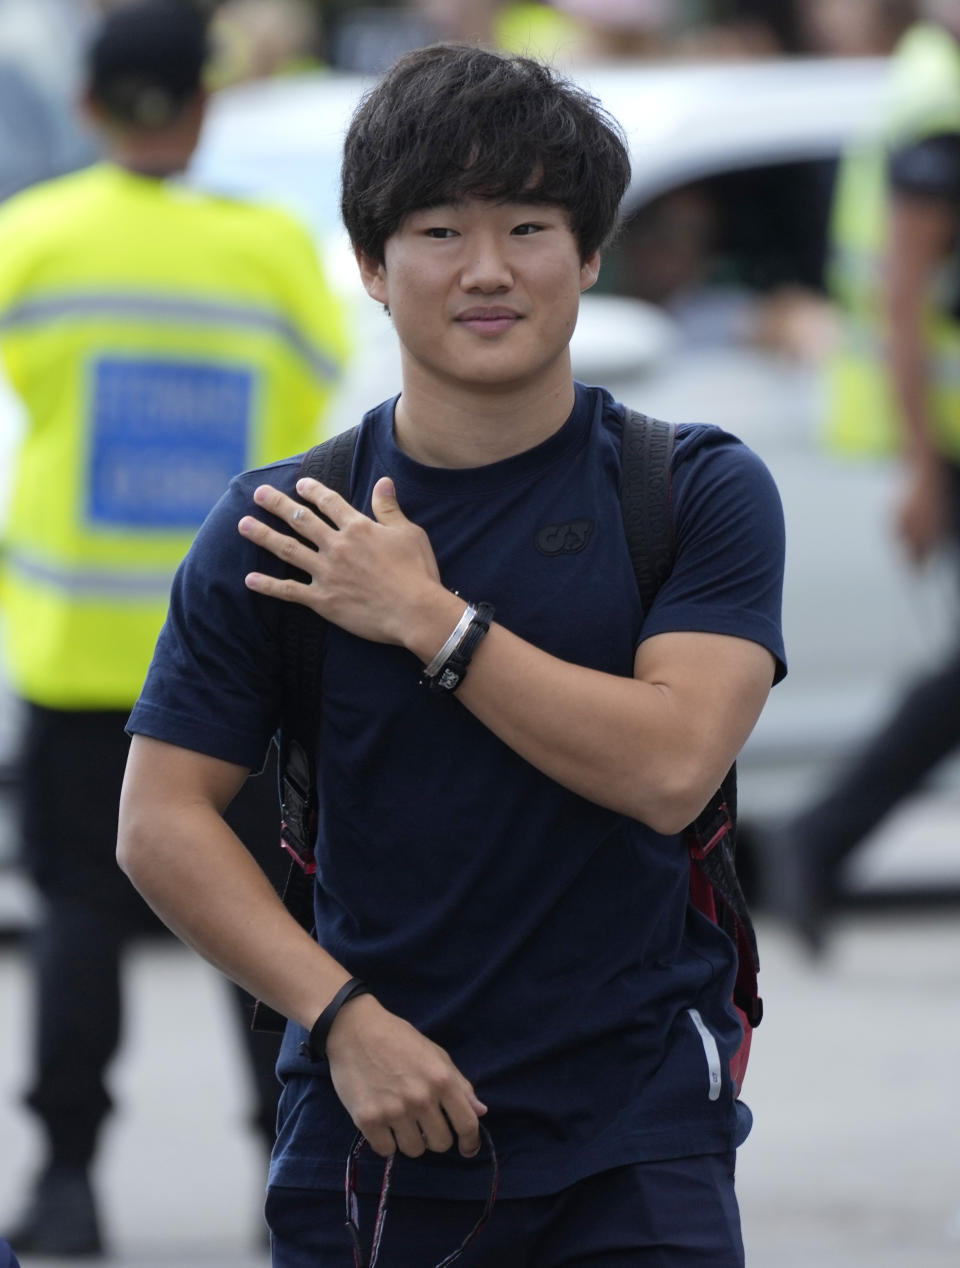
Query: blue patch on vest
{"type": "Point", "coordinates": [166, 439]}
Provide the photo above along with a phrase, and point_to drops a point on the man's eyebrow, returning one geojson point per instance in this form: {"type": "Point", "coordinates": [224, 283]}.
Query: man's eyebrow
{"type": "Point", "coordinates": [520, 198]}
{"type": "Point", "coordinates": [448, 204]}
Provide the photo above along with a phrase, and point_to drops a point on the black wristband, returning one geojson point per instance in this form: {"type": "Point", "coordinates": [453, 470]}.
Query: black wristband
{"type": "Point", "coordinates": [454, 669]}
{"type": "Point", "coordinates": [315, 1048]}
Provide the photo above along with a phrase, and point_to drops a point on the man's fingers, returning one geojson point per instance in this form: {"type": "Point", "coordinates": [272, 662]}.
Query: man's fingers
{"type": "Point", "coordinates": [478, 1106]}
{"type": "Point", "coordinates": [433, 1130]}
{"type": "Point", "coordinates": [465, 1125]}
{"type": "Point", "coordinates": [437, 1133]}
{"type": "Point", "coordinates": [409, 1138]}
{"type": "Point", "coordinates": [273, 588]}
{"type": "Point", "coordinates": [413, 1131]}
{"type": "Point", "coordinates": [298, 516]}
{"type": "Point", "coordinates": [383, 502]}
{"type": "Point", "coordinates": [381, 1140]}
{"type": "Point", "coordinates": [289, 550]}
{"type": "Point", "coordinates": [336, 508]}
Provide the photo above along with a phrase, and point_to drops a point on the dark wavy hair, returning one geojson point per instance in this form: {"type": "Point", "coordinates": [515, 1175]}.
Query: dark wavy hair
{"type": "Point", "coordinates": [454, 121]}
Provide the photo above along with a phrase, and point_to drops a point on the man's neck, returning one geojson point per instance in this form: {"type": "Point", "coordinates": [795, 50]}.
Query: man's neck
{"type": "Point", "coordinates": [443, 427]}
{"type": "Point", "coordinates": [156, 161]}
{"type": "Point", "coordinates": [159, 152]}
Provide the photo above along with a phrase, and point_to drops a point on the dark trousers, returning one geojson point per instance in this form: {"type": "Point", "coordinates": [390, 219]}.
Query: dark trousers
{"type": "Point", "coordinates": [71, 772]}
{"type": "Point", "coordinates": [923, 729]}
{"type": "Point", "coordinates": [674, 1214]}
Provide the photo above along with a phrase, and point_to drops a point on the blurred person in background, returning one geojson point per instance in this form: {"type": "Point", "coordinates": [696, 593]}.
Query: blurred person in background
{"type": "Point", "coordinates": [38, 136]}
{"type": "Point", "coordinates": [894, 386]}
{"type": "Point", "coordinates": [47, 38]}
{"type": "Point", "coordinates": [621, 29]}
{"type": "Point", "coordinates": [466, 21]}
{"type": "Point", "coordinates": [368, 39]}
{"type": "Point", "coordinates": [40, 133]}
{"type": "Point", "coordinates": [684, 251]}
{"type": "Point", "coordinates": [160, 340]}
{"type": "Point", "coordinates": [853, 28]}
{"type": "Point", "coordinates": [257, 39]}
{"type": "Point", "coordinates": [825, 28]}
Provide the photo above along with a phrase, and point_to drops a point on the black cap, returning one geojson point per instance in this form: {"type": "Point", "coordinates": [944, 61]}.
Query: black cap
{"type": "Point", "coordinates": [146, 61]}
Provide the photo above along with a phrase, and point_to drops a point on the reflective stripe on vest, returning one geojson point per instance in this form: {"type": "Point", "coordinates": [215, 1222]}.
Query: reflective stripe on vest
{"type": "Point", "coordinates": [81, 582]}
{"type": "Point", "coordinates": [123, 304]}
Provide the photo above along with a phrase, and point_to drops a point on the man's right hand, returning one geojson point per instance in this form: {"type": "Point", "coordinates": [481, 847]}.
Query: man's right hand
{"type": "Point", "coordinates": [402, 1091]}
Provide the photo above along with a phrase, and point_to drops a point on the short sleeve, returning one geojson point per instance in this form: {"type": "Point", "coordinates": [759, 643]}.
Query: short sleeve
{"type": "Point", "coordinates": [929, 168]}
{"type": "Point", "coordinates": [727, 576]}
{"type": "Point", "coordinates": [215, 680]}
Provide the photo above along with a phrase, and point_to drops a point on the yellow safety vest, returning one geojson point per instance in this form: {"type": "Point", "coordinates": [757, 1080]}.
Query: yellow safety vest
{"type": "Point", "coordinates": [862, 411]}
{"type": "Point", "coordinates": [161, 341]}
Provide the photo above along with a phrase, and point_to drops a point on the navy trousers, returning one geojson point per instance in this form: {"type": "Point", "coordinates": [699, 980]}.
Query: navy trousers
{"type": "Point", "coordinates": [72, 769]}
{"type": "Point", "coordinates": [680, 1213]}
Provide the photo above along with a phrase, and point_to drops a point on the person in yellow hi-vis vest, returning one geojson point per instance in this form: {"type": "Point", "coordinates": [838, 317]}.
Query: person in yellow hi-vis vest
{"type": "Point", "coordinates": [161, 340]}
{"type": "Point", "coordinates": [895, 385]}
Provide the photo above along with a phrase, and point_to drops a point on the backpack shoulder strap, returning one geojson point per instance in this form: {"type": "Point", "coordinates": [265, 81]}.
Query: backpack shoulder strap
{"type": "Point", "coordinates": [302, 640]}
{"type": "Point", "coordinates": [646, 500]}
{"type": "Point", "coordinates": [331, 462]}
{"type": "Point", "coordinates": [303, 637]}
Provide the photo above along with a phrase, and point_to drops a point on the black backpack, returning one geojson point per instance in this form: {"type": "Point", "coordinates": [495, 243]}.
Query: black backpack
{"type": "Point", "coordinates": [646, 502]}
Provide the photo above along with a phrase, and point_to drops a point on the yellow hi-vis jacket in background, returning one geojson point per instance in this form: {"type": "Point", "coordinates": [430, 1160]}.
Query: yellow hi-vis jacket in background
{"type": "Point", "coordinates": [161, 340]}
{"type": "Point", "coordinates": [862, 411]}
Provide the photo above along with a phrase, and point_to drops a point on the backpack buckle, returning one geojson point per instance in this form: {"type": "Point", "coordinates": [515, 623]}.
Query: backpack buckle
{"type": "Point", "coordinates": [301, 854]}
{"type": "Point", "coordinates": [297, 808]}
{"type": "Point", "coordinates": [709, 828]}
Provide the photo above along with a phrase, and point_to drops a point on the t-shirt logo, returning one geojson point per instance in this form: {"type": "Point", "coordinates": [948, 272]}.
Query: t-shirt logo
{"type": "Point", "coordinates": [564, 539]}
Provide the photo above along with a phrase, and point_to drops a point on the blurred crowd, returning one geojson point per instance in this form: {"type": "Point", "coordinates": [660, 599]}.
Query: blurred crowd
{"type": "Point", "coordinates": [41, 135]}
{"type": "Point", "coordinates": [258, 38]}
{"type": "Point", "coordinates": [365, 37]}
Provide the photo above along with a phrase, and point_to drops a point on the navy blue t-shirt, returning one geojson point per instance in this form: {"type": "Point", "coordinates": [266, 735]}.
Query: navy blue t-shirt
{"type": "Point", "coordinates": [544, 941]}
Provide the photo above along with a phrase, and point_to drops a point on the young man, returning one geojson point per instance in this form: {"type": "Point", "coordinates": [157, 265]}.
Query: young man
{"type": "Point", "coordinates": [499, 867]}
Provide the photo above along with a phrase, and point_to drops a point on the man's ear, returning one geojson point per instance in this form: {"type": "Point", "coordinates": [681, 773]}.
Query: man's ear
{"type": "Point", "coordinates": [589, 271]}
{"type": "Point", "coordinates": [90, 109]}
{"type": "Point", "coordinates": [373, 275]}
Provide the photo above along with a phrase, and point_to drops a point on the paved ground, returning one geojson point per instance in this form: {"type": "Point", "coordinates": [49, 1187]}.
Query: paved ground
{"type": "Point", "coordinates": [854, 1160]}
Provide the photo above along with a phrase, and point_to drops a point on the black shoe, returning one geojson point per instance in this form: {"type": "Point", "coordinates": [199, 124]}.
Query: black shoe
{"type": "Point", "coordinates": [795, 889]}
{"type": "Point", "coordinates": [61, 1216]}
